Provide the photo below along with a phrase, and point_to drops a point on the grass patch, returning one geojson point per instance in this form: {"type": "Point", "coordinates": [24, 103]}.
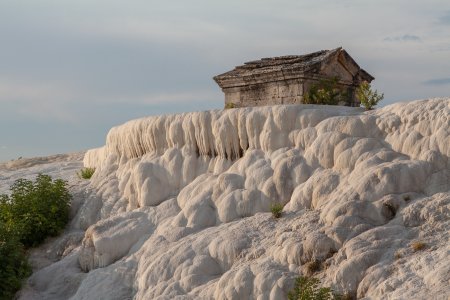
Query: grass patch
{"type": "Point", "coordinates": [86, 173]}
{"type": "Point", "coordinates": [418, 246]}
{"type": "Point", "coordinates": [277, 210]}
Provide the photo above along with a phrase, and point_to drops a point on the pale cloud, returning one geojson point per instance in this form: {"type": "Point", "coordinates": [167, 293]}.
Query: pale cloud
{"type": "Point", "coordinates": [48, 111]}
{"type": "Point", "coordinates": [445, 19]}
{"type": "Point", "coordinates": [438, 81]}
{"type": "Point", "coordinates": [404, 38]}
{"type": "Point", "coordinates": [53, 101]}
{"type": "Point", "coordinates": [173, 30]}
{"type": "Point", "coordinates": [177, 97]}
{"type": "Point", "coordinates": [38, 100]}
{"type": "Point", "coordinates": [31, 90]}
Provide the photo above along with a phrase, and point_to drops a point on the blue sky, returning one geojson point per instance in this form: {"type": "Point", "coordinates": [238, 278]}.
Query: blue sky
{"type": "Point", "coordinates": [70, 70]}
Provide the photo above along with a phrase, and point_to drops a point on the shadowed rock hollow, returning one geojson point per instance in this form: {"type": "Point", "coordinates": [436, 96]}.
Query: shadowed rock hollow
{"type": "Point", "coordinates": [179, 206]}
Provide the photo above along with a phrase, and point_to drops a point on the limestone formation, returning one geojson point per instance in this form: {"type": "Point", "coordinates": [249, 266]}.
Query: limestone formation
{"type": "Point", "coordinates": [179, 206]}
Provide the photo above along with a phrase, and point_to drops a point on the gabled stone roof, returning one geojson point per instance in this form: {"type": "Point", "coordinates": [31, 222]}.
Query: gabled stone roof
{"type": "Point", "coordinates": [285, 67]}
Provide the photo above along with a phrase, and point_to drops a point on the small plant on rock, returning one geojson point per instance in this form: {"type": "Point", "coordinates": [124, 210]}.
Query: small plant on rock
{"type": "Point", "coordinates": [230, 105]}
{"type": "Point", "coordinates": [326, 91]}
{"type": "Point", "coordinates": [277, 210]}
{"type": "Point", "coordinates": [418, 245]}
{"type": "Point", "coordinates": [86, 173]}
{"type": "Point", "coordinates": [307, 288]}
{"type": "Point", "coordinates": [368, 98]}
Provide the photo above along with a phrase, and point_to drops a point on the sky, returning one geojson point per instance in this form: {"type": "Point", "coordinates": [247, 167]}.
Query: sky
{"type": "Point", "coordinates": [70, 70]}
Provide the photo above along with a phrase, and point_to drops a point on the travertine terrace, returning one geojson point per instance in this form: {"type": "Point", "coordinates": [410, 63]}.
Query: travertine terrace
{"type": "Point", "coordinates": [179, 207]}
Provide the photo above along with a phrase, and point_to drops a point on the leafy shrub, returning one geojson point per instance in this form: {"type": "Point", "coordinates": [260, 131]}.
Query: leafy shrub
{"type": "Point", "coordinates": [276, 209]}
{"type": "Point", "coordinates": [86, 173]}
{"type": "Point", "coordinates": [230, 105]}
{"type": "Point", "coordinates": [418, 245]}
{"type": "Point", "coordinates": [307, 288]}
{"type": "Point", "coordinates": [368, 98]}
{"type": "Point", "coordinates": [35, 210]}
{"type": "Point", "coordinates": [326, 91]}
{"type": "Point", "coordinates": [14, 266]}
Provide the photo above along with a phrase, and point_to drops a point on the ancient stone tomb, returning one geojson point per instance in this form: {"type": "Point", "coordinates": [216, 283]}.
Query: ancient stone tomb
{"type": "Point", "coordinates": [287, 79]}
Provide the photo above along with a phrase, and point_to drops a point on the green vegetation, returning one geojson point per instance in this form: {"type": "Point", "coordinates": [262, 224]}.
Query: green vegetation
{"type": "Point", "coordinates": [86, 173]}
{"type": "Point", "coordinates": [307, 288]}
{"type": "Point", "coordinates": [32, 212]}
{"type": "Point", "coordinates": [326, 91]}
{"type": "Point", "coordinates": [276, 209]}
{"type": "Point", "coordinates": [230, 105]}
{"type": "Point", "coordinates": [369, 99]}
{"type": "Point", "coordinates": [14, 266]}
{"type": "Point", "coordinates": [35, 210]}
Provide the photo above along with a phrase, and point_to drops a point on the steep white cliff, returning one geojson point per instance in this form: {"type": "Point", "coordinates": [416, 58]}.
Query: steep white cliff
{"type": "Point", "coordinates": [179, 207]}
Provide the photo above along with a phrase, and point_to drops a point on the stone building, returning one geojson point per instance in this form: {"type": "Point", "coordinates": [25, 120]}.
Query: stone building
{"type": "Point", "coordinates": [286, 79]}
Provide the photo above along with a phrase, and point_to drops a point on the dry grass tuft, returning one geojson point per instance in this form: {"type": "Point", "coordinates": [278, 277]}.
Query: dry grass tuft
{"type": "Point", "coordinates": [312, 267]}
{"type": "Point", "coordinates": [418, 245]}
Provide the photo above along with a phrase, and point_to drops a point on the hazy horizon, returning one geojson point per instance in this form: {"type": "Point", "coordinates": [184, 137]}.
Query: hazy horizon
{"type": "Point", "coordinates": [71, 70]}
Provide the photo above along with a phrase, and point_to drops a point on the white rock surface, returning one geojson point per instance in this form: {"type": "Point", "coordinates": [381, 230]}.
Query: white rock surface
{"type": "Point", "coordinates": [179, 207]}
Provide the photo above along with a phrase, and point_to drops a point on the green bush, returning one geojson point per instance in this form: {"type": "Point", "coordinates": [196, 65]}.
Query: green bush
{"type": "Point", "coordinates": [86, 173]}
{"type": "Point", "coordinates": [14, 266]}
{"type": "Point", "coordinates": [276, 209]}
{"type": "Point", "coordinates": [326, 91]}
{"type": "Point", "coordinates": [35, 210]}
{"type": "Point", "coordinates": [307, 288]}
{"type": "Point", "coordinates": [368, 98]}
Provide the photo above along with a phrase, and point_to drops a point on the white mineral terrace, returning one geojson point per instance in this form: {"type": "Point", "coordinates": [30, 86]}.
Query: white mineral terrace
{"type": "Point", "coordinates": [179, 206]}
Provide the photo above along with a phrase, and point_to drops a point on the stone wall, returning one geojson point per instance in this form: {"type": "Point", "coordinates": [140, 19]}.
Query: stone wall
{"type": "Point", "coordinates": [272, 93]}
